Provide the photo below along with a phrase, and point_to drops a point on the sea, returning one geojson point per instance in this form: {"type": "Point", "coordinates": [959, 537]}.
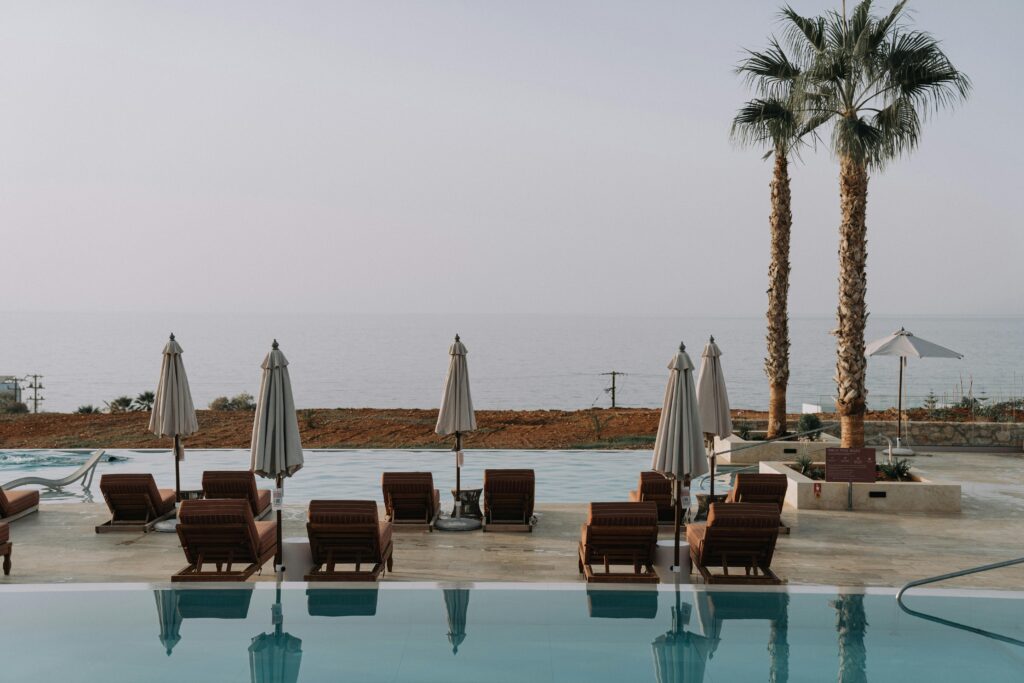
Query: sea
{"type": "Point", "coordinates": [515, 361]}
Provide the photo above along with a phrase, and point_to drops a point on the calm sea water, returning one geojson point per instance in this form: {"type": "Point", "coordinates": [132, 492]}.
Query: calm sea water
{"type": "Point", "coordinates": [515, 361]}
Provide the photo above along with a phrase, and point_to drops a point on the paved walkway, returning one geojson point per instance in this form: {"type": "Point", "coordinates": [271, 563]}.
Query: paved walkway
{"type": "Point", "coordinates": [58, 545]}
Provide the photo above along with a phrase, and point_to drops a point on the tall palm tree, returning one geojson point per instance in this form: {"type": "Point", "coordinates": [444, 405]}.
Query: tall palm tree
{"type": "Point", "coordinates": [874, 79]}
{"type": "Point", "coordinates": [773, 120]}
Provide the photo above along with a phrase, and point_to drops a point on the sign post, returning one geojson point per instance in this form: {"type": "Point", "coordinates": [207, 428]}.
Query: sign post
{"type": "Point", "coordinates": [850, 465]}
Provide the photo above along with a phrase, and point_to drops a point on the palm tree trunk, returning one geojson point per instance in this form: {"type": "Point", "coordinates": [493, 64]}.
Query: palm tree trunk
{"type": "Point", "coordinates": [776, 363]}
{"type": "Point", "coordinates": [778, 646]}
{"type": "Point", "coordinates": [852, 314]}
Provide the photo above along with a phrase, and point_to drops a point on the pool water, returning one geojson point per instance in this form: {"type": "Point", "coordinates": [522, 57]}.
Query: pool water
{"type": "Point", "coordinates": [414, 633]}
{"type": "Point", "coordinates": [562, 476]}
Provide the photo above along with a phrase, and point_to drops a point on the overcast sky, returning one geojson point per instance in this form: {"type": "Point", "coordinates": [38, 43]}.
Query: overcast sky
{"type": "Point", "coordinates": [461, 157]}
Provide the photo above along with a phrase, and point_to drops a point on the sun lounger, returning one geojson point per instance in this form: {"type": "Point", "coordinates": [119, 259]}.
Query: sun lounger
{"type": "Point", "coordinates": [135, 503]}
{"type": "Point", "coordinates": [508, 500]}
{"type": "Point", "coordinates": [84, 473]}
{"type": "Point", "coordinates": [736, 535]}
{"type": "Point", "coordinates": [16, 504]}
{"type": "Point", "coordinates": [347, 532]}
{"type": "Point", "coordinates": [237, 484]}
{"type": "Point", "coordinates": [656, 488]}
{"type": "Point", "coordinates": [620, 534]}
{"type": "Point", "coordinates": [5, 546]}
{"type": "Point", "coordinates": [410, 498]}
{"type": "Point", "coordinates": [225, 534]}
{"type": "Point", "coordinates": [619, 604]}
{"type": "Point", "coordinates": [760, 488]}
{"type": "Point", "coordinates": [355, 602]}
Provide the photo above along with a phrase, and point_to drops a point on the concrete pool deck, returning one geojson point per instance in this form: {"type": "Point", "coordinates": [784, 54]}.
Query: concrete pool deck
{"type": "Point", "coordinates": [58, 545]}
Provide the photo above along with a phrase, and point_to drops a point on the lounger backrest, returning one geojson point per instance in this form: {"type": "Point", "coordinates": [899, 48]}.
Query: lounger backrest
{"type": "Point", "coordinates": [344, 531]}
{"type": "Point", "coordinates": [738, 533]}
{"type": "Point", "coordinates": [621, 532]}
{"type": "Point", "coordinates": [219, 530]}
{"type": "Point", "coordinates": [4, 504]}
{"type": "Point", "coordinates": [509, 494]}
{"type": "Point", "coordinates": [408, 495]}
{"type": "Point", "coordinates": [657, 488]}
{"type": "Point", "coordinates": [760, 488]}
{"type": "Point", "coordinates": [231, 484]}
{"type": "Point", "coordinates": [131, 496]}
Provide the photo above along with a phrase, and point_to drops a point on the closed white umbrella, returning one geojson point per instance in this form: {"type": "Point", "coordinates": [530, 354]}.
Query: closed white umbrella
{"type": "Point", "coordinates": [679, 448]}
{"type": "Point", "coordinates": [173, 413]}
{"type": "Point", "coordinates": [170, 618]}
{"type": "Point", "coordinates": [713, 401]}
{"type": "Point", "coordinates": [903, 345]}
{"type": "Point", "coordinates": [456, 415]}
{"type": "Point", "coordinates": [276, 445]}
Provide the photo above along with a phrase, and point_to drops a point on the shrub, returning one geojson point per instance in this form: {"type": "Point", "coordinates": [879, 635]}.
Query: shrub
{"type": "Point", "coordinates": [87, 409]}
{"type": "Point", "coordinates": [144, 401]}
{"type": "Point", "coordinates": [809, 422]}
{"type": "Point", "coordinates": [243, 401]}
{"type": "Point", "coordinates": [121, 404]}
{"type": "Point", "coordinates": [897, 471]}
{"type": "Point", "coordinates": [804, 464]}
{"type": "Point", "coordinates": [11, 407]}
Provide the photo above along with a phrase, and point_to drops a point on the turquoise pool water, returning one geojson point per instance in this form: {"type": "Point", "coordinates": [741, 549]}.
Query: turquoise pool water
{"type": "Point", "coordinates": [399, 634]}
{"type": "Point", "coordinates": [562, 476]}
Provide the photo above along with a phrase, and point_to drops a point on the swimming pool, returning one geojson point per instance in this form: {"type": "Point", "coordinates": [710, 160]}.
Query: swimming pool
{"type": "Point", "coordinates": [411, 632]}
{"type": "Point", "coordinates": [563, 476]}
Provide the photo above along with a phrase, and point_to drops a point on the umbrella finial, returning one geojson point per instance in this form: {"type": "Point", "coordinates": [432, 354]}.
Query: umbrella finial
{"type": "Point", "coordinates": [711, 339]}
{"type": "Point", "coordinates": [682, 346]}
{"type": "Point", "coordinates": [172, 336]}
{"type": "Point", "coordinates": [274, 345]}
{"type": "Point", "coordinates": [456, 336]}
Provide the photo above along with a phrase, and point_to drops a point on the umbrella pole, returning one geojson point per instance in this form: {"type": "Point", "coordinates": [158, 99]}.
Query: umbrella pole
{"type": "Point", "coordinates": [711, 465]}
{"type": "Point", "coordinates": [899, 407]}
{"type": "Point", "coordinates": [458, 468]}
{"type": "Point", "coordinates": [679, 516]}
{"type": "Point", "coordinates": [278, 556]}
{"type": "Point", "coordinates": [177, 468]}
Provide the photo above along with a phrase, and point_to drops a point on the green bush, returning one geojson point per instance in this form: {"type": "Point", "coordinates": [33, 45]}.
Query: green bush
{"type": "Point", "coordinates": [897, 471]}
{"type": "Point", "coordinates": [88, 409]}
{"type": "Point", "coordinates": [11, 407]}
{"type": "Point", "coordinates": [809, 422]}
{"type": "Point", "coordinates": [243, 401]}
{"type": "Point", "coordinates": [144, 401]}
{"type": "Point", "coordinates": [121, 404]}
{"type": "Point", "coordinates": [804, 464]}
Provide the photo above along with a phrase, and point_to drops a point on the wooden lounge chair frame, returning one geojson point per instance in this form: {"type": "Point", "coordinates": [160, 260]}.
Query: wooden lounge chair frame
{"type": "Point", "coordinates": [142, 514]}
{"type": "Point", "coordinates": [657, 488]}
{"type": "Point", "coordinates": [222, 544]}
{"type": "Point", "coordinates": [508, 500]}
{"type": "Point", "coordinates": [749, 548]}
{"type": "Point", "coordinates": [355, 542]}
{"type": "Point", "coordinates": [760, 488]}
{"type": "Point", "coordinates": [620, 534]}
{"type": "Point", "coordinates": [404, 491]}
{"type": "Point", "coordinates": [240, 484]}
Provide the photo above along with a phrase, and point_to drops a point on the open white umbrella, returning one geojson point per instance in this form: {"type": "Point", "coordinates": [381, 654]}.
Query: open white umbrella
{"type": "Point", "coordinates": [456, 415]}
{"type": "Point", "coordinates": [903, 345]}
{"type": "Point", "coordinates": [173, 413]}
{"type": "Point", "coordinates": [679, 448]}
{"type": "Point", "coordinates": [276, 445]}
{"type": "Point", "coordinates": [713, 401]}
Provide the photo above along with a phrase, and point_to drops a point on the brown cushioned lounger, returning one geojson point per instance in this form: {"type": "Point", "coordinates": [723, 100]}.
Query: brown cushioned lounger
{"type": "Point", "coordinates": [655, 487]}
{"type": "Point", "coordinates": [237, 484]}
{"type": "Point", "coordinates": [508, 499]}
{"type": "Point", "coordinates": [16, 504]}
{"type": "Point", "coordinates": [347, 532]}
{"type": "Point", "coordinates": [760, 488]}
{"type": "Point", "coordinates": [617, 534]}
{"type": "Point", "coordinates": [736, 535]}
{"type": "Point", "coordinates": [135, 503]}
{"type": "Point", "coordinates": [5, 546]}
{"type": "Point", "coordinates": [223, 532]}
{"type": "Point", "coordinates": [410, 498]}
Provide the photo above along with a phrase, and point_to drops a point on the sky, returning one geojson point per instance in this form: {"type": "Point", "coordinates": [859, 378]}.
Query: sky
{"type": "Point", "coordinates": [568, 157]}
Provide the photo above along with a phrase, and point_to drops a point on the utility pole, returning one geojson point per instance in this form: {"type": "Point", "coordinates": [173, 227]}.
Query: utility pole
{"type": "Point", "coordinates": [35, 386]}
{"type": "Point", "coordinates": [611, 389]}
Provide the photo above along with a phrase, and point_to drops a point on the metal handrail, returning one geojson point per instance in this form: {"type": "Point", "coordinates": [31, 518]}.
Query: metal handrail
{"type": "Point", "coordinates": [777, 438]}
{"type": "Point", "coordinates": [953, 624]}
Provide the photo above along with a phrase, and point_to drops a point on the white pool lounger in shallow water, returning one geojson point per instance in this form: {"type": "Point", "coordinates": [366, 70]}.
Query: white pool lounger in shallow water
{"type": "Point", "coordinates": [85, 473]}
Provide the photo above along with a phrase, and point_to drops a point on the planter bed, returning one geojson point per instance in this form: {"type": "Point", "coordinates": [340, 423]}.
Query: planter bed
{"type": "Point", "coordinates": [920, 495]}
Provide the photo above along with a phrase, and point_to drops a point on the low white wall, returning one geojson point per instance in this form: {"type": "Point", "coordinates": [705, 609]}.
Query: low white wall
{"type": "Point", "coordinates": [752, 451]}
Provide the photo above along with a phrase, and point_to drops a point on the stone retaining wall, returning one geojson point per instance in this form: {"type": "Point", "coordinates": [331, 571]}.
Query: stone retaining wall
{"type": "Point", "coordinates": [978, 434]}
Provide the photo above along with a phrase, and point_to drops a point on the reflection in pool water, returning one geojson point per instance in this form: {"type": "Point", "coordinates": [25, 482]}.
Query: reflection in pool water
{"type": "Point", "coordinates": [411, 633]}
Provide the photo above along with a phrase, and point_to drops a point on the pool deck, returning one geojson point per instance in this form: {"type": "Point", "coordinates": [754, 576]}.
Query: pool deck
{"type": "Point", "coordinates": [58, 545]}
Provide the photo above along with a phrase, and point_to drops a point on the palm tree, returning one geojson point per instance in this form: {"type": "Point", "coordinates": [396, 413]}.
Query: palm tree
{"type": "Point", "coordinates": [144, 401]}
{"type": "Point", "coordinates": [874, 79]}
{"type": "Point", "coordinates": [774, 120]}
